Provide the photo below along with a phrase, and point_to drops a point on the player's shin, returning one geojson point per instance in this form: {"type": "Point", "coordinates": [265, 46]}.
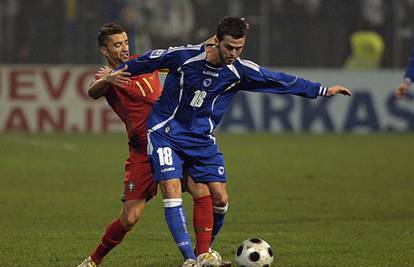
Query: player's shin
{"type": "Point", "coordinates": [219, 213]}
{"type": "Point", "coordinates": [176, 221]}
{"type": "Point", "coordinates": [203, 223]}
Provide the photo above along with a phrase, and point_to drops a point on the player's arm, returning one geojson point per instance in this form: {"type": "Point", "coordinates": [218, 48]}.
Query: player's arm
{"type": "Point", "coordinates": [106, 78]}
{"type": "Point", "coordinates": [258, 79]}
{"type": "Point", "coordinates": [402, 89]}
{"type": "Point", "coordinates": [155, 60]}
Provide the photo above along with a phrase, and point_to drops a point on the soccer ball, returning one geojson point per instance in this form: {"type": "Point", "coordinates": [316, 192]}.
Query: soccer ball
{"type": "Point", "coordinates": [254, 252]}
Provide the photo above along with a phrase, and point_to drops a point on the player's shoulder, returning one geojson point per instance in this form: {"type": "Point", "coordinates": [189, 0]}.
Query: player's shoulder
{"type": "Point", "coordinates": [244, 63]}
{"type": "Point", "coordinates": [180, 52]}
{"type": "Point", "coordinates": [243, 66]}
{"type": "Point", "coordinates": [189, 48]}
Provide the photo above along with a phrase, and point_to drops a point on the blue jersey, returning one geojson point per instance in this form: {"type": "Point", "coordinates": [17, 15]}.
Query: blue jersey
{"type": "Point", "coordinates": [409, 73]}
{"type": "Point", "coordinates": [197, 93]}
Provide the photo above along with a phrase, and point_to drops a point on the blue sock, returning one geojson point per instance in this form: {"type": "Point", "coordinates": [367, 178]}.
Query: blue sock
{"type": "Point", "coordinates": [176, 222]}
{"type": "Point", "coordinates": [219, 213]}
{"type": "Point", "coordinates": [218, 223]}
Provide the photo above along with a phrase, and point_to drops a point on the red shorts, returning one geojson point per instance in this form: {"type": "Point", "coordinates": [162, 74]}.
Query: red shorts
{"type": "Point", "coordinates": [138, 183]}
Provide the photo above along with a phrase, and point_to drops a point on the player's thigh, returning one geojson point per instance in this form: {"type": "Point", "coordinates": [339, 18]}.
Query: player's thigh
{"type": "Point", "coordinates": [165, 158]}
{"type": "Point", "coordinates": [207, 165]}
{"type": "Point", "coordinates": [138, 182]}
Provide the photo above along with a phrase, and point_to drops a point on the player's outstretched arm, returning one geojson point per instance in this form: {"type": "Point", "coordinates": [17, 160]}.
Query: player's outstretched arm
{"type": "Point", "coordinates": [106, 78]}
{"type": "Point", "coordinates": [401, 90]}
{"type": "Point", "coordinates": [337, 89]}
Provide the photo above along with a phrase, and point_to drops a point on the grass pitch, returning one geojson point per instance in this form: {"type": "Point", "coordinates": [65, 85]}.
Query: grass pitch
{"type": "Point", "coordinates": [319, 200]}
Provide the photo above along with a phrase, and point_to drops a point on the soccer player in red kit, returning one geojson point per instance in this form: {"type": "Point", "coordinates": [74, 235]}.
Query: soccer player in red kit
{"type": "Point", "coordinates": [132, 99]}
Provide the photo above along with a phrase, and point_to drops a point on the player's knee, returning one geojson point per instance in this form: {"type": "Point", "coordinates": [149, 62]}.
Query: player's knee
{"type": "Point", "coordinates": [129, 220]}
{"type": "Point", "coordinates": [220, 199]}
{"type": "Point", "coordinates": [201, 190]}
{"type": "Point", "coordinates": [171, 188]}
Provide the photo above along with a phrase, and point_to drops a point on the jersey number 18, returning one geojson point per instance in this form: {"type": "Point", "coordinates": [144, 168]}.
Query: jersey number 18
{"type": "Point", "coordinates": [198, 98]}
{"type": "Point", "coordinates": [165, 156]}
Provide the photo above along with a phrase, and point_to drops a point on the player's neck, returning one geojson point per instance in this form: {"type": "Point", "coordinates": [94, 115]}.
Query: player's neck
{"type": "Point", "coordinates": [213, 56]}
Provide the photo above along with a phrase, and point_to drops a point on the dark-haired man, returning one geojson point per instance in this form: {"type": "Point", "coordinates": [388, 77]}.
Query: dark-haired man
{"type": "Point", "coordinates": [132, 100]}
{"type": "Point", "coordinates": [201, 83]}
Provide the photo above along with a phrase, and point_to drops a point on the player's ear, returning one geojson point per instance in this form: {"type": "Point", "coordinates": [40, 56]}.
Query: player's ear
{"type": "Point", "coordinates": [103, 50]}
{"type": "Point", "coordinates": [216, 40]}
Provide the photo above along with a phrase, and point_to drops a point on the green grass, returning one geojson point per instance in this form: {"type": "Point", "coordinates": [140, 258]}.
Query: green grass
{"type": "Point", "coordinates": [319, 200]}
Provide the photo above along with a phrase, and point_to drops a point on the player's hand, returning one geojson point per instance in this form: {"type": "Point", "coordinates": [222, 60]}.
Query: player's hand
{"type": "Point", "coordinates": [103, 72]}
{"type": "Point", "coordinates": [119, 77]}
{"type": "Point", "coordinates": [246, 23]}
{"type": "Point", "coordinates": [401, 90]}
{"type": "Point", "coordinates": [337, 89]}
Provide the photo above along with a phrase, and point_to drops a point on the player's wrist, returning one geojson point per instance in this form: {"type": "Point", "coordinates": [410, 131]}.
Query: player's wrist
{"type": "Point", "coordinates": [106, 79]}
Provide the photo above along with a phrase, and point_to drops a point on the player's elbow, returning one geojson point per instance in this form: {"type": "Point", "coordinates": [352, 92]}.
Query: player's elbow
{"type": "Point", "coordinates": [92, 94]}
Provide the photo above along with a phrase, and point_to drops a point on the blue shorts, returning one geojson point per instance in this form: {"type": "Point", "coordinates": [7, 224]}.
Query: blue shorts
{"type": "Point", "coordinates": [170, 158]}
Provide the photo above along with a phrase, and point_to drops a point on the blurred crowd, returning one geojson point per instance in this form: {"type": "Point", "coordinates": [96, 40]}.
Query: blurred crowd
{"type": "Point", "coordinates": [302, 33]}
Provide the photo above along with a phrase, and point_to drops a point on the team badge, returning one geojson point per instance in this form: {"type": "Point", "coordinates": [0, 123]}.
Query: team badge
{"type": "Point", "coordinates": [131, 186]}
{"type": "Point", "coordinates": [167, 129]}
{"type": "Point", "coordinates": [221, 170]}
{"type": "Point", "coordinates": [207, 82]}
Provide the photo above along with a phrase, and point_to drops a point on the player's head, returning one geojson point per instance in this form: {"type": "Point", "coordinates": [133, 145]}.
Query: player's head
{"type": "Point", "coordinates": [113, 43]}
{"type": "Point", "coordinates": [231, 36]}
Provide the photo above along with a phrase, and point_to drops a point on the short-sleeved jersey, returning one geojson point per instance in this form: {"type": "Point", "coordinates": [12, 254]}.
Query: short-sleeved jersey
{"type": "Point", "coordinates": [133, 104]}
{"type": "Point", "coordinates": [197, 93]}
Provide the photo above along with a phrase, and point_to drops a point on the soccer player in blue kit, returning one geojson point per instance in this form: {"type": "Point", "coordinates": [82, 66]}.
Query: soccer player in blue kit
{"type": "Point", "coordinates": [402, 88]}
{"type": "Point", "coordinates": [199, 88]}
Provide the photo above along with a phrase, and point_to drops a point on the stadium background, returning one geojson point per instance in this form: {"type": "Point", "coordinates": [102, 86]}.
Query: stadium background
{"type": "Point", "coordinates": [326, 182]}
{"type": "Point", "coordinates": [49, 54]}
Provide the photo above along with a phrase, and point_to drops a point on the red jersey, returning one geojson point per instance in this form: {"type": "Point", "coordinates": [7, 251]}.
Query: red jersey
{"type": "Point", "coordinates": [133, 104]}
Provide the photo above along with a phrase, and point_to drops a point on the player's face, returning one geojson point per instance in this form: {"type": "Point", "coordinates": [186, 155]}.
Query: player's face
{"type": "Point", "coordinates": [230, 48]}
{"type": "Point", "coordinates": [116, 49]}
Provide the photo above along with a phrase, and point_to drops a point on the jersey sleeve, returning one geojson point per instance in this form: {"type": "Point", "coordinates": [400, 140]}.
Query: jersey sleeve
{"type": "Point", "coordinates": [159, 59]}
{"type": "Point", "coordinates": [255, 78]}
{"type": "Point", "coordinates": [409, 72]}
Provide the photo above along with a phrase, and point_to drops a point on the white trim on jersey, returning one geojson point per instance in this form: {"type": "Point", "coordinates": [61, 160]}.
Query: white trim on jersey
{"type": "Point", "coordinates": [256, 67]}
{"type": "Point", "coordinates": [212, 107]}
{"type": "Point", "coordinates": [196, 58]}
{"type": "Point", "coordinates": [187, 47]}
{"type": "Point", "coordinates": [161, 124]}
{"type": "Point", "coordinates": [234, 70]}
{"type": "Point", "coordinates": [231, 86]}
{"type": "Point", "coordinates": [150, 148]}
{"type": "Point", "coordinates": [287, 84]}
{"type": "Point", "coordinates": [213, 68]}
{"type": "Point", "coordinates": [213, 138]}
{"type": "Point", "coordinates": [209, 118]}
{"type": "Point", "coordinates": [249, 64]}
